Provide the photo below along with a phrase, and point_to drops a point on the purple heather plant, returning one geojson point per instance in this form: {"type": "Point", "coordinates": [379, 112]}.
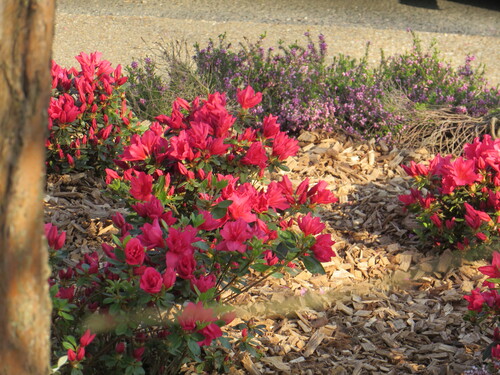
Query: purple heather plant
{"type": "Point", "coordinates": [426, 79]}
{"type": "Point", "coordinates": [304, 91]}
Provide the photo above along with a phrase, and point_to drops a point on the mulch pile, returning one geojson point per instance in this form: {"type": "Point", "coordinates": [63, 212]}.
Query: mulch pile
{"type": "Point", "coordinates": [384, 305]}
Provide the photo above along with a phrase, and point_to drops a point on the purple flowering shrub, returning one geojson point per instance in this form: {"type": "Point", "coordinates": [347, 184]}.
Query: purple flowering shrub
{"type": "Point", "coordinates": [299, 85]}
{"type": "Point", "coordinates": [426, 79]}
{"type": "Point", "coordinates": [146, 89]}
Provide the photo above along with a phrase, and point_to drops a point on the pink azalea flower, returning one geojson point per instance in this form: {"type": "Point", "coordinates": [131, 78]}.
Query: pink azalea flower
{"type": "Point", "coordinates": [492, 270]}
{"type": "Point", "coordinates": [203, 283]}
{"type": "Point", "coordinates": [151, 281]}
{"type": "Point", "coordinates": [463, 172]}
{"type": "Point", "coordinates": [248, 98]}
{"type": "Point", "coordinates": [193, 314]}
{"type": "Point", "coordinates": [310, 225]}
{"type": "Point", "coordinates": [474, 218]}
{"type": "Point", "coordinates": [476, 301]}
{"type": "Point", "coordinates": [141, 186]}
{"type": "Point", "coordinates": [270, 128]}
{"type": "Point", "coordinates": [234, 235]}
{"type": "Point", "coordinates": [256, 155]}
{"type": "Point", "coordinates": [134, 252]}
{"type": "Point", "coordinates": [56, 241]}
{"type": "Point", "coordinates": [284, 146]}
{"type": "Point", "coordinates": [322, 249]}
{"type": "Point", "coordinates": [210, 332]}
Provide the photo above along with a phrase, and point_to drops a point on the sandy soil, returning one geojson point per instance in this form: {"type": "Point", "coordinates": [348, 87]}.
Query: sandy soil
{"type": "Point", "coordinates": [125, 30]}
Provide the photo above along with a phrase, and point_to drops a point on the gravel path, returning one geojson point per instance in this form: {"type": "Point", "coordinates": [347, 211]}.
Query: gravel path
{"type": "Point", "coordinates": [124, 30]}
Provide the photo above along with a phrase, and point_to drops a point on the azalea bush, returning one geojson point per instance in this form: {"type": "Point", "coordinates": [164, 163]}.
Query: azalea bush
{"type": "Point", "coordinates": [457, 202]}
{"type": "Point", "coordinates": [425, 78]}
{"type": "Point", "coordinates": [305, 91]}
{"type": "Point", "coordinates": [204, 224]}
{"type": "Point", "coordinates": [88, 116]}
{"type": "Point", "coordinates": [484, 309]}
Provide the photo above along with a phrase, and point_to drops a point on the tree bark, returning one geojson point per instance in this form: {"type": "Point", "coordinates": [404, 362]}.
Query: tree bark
{"type": "Point", "coordinates": [26, 34]}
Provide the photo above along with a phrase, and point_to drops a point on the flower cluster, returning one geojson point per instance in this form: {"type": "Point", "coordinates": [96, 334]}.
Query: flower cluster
{"type": "Point", "coordinates": [485, 306]}
{"type": "Point", "coordinates": [203, 226]}
{"type": "Point", "coordinates": [88, 115]}
{"type": "Point", "coordinates": [458, 201]}
{"type": "Point", "coordinates": [307, 93]}
{"type": "Point", "coordinates": [425, 78]}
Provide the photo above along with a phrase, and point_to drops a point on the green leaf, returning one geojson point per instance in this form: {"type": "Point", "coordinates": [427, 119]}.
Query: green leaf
{"type": "Point", "coordinates": [496, 281]}
{"type": "Point", "coordinates": [72, 340]}
{"type": "Point", "coordinates": [121, 329]}
{"type": "Point", "coordinates": [194, 348]}
{"type": "Point", "coordinates": [66, 316]}
{"type": "Point", "coordinates": [313, 265]}
{"type": "Point", "coordinates": [260, 267]}
{"type": "Point", "coordinates": [116, 240]}
{"type": "Point", "coordinates": [224, 204]}
{"type": "Point", "coordinates": [218, 213]}
{"type": "Point", "coordinates": [224, 341]}
{"type": "Point", "coordinates": [277, 275]}
{"type": "Point", "coordinates": [201, 245]}
{"type": "Point", "coordinates": [67, 345]}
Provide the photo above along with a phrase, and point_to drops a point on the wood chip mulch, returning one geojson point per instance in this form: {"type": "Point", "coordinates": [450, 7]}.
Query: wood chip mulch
{"type": "Point", "coordinates": [384, 306]}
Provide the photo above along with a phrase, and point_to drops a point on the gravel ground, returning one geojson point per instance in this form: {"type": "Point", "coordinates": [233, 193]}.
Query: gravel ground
{"type": "Point", "coordinates": [128, 29]}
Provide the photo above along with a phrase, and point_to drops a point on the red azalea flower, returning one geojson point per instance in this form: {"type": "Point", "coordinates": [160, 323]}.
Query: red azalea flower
{"type": "Point", "coordinates": [256, 155]}
{"type": "Point", "coordinates": [462, 172]}
{"type": "Point", "coordinates": [55, 240]}
{"type": "Point", "coordinates": [318, 194]}
{"type": "Point", "coordinates": [436, 220]}
{"type": "Point", "coordinates": [234, 234]}
{"type": "Point", "coordinates": [195, 313]}
{"type": "Point", "coordinates": [492, 270]}
{"type": "Point", "coordinates": [241, 208]}
{"type": "Point", "coordinates": [211, 332]}
{"type": "Point", "coordinates": [476, 301]}
{"type": "Point", "coordinates": [248, 98]}
{"type": "Point", "coordinates": [141, 186]}
{"type": "Point", "coordinates": [169, 277]}
{"type": "Point", "coordinates": [474, 218]}
{"type": "Point", "coordinates": [87, 338]}
{"type": "Point", "coordinates": [152, 235]}
{"type": "Point", "coordinates": [66, 293]}
{"type": "Point", "coordinates": [284, 146]}
{"type": "Point", "coordinates": [134, 252]}
{"type": "Point", "coordinates": [270, 128]}
{"type": "Point", "coordinates": [270, 257]}
{"type": "Point", "coordinates": [415, 169]}
{"type": "Point", "coordinates": [275, 198]}
{"type": "Point", "coordinates": [495, 351]}
{"type": "Point", "coordinates": [310, 225]}
{"type": "Point", "coordinates": [322, 249]}
{"type": "Point", "coordinates": [203, 283]}
{"type": "Point", "coordinates": [186, 265]}
{"type": "Point", "coordinates": [151, 281]}
{"type": "Point", "coordinates": [71, 355]}
{"type": "Point", "coordinates": [138, 353]}
{"type": "Point", "coordinates": [80, 353]}
{"type": "Point", "coordinates": [120, 347]}
{"type": "Point", "coordinates": [181, 241]}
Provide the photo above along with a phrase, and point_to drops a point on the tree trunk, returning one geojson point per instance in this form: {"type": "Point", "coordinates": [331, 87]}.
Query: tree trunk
{"type": "Point", "coordinates": [26, 33]}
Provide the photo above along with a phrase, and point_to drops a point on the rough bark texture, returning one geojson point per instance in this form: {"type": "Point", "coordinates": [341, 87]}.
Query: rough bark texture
{"type": "Point", "coordinates": [26, 34]}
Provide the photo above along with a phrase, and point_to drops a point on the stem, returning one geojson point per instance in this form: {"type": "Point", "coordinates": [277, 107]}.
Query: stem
{"type": "Point", "coordinates": [248, 287]}
{"type": "Point", "coordinates": [233, 279]}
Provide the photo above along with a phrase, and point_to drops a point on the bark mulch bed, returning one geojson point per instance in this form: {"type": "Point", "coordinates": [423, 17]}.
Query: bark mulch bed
{"type": "Point", "coordinates": [384, 305]}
